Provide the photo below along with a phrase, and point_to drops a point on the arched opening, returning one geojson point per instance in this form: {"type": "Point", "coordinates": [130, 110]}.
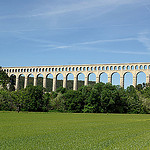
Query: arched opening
{"type": "Point", "coordinates": [145, 67]}
{"type": "Point", "coordinates": [132, 67]}
{"type": "Point", "coordinates": [13, 82]}
{"type": "Point", "coordinates": [49, 82]}
{"type": "Point", "coordinates": [99, 68]}
{"type": "Point", "coordinates": [128, 79]}
{"type": "Point", "coordinates": [128, 67]}
{"type": "Point", "coordinates": [107, 68]}
{"type": "Point", "coordinates": [141, 79]}
{"type": "Point", "coordinates": [81, 80]}
{"type": "Point", "coordinates": [40, 80]}
{"type": "Point", "coordinates": [88, 69]}
{"type": "Point", "coordinates": [111, 67]}
{"type": "Point", "coordinates": [59, 80]}
{"type": "Point", "coordinates": [30, 79]}
{"type": "Point", "coordinates": [91, 78]}
{"type": "Point", "coordinates": [70, 80]}
{"type": "Point", "coordinates": [115, 68]}
{"type": "Point", "coordinates": [141, 67]}
{"type": "Point", "coordinates": [21, 81]}
{"type": "Point", "coordinates": [123, 68]}
{"type": "Point", "coordinates": [136, 67]}
{"type": "Point", "coordinates": [115, 78]}
{"type": "Point", "coordinates": [104, 77]}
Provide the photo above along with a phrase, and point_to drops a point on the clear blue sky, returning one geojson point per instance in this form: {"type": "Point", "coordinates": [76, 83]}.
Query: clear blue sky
{"type": "Point", "coordinates": [60, 32]}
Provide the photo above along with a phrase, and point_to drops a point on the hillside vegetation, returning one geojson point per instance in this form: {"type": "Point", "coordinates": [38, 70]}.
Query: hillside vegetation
{"type": "Point", "coordinates": [97, 98]}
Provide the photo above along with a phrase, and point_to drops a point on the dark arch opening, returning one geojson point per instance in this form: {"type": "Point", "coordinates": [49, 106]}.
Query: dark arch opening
{"type": "Point", "coordinates": [30, 79]}
{"type": "Point", "coordinates": [49, 82]}
{"type": "Point", "coordinates": [80, 80]}
{"type": "Point", "coordinates": [12, 82]}
{"type": "Point", "coordinates": [40, 80]}
{"type": "Point", "coordinates": [70, 81]}
{"type": "Point", "coordinates": [59, 80]}
{"type": "Point", "coordinates": [21, 81]}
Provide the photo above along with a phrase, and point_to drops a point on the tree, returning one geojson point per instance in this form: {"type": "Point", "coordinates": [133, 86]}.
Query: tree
{"type": "Point", "coordinates": [4, 79]}
{"type": "Point", "coordinates": [34, 98]}
{"type": "Point", "coordinates": [134, 103]}
{"type": "Point", "coordinates": [73, 101]}
{"type": "Point", "coordinates": [93, 104]}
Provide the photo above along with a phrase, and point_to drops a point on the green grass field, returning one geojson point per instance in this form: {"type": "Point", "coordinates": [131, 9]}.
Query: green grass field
{"type": "Point", "coordinates": [29, 130]}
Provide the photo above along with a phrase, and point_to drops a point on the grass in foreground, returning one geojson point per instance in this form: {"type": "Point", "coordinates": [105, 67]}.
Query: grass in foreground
{"type": "Point", "coordinates": [73, 131]}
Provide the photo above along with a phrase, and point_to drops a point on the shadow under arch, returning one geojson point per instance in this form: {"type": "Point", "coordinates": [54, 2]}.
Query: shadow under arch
{"type": "Point", "coordinates": [40, 80]}
{"type": "Point", "coordinates": [30, 79]}
{"type": "Point", "coordinates": [21, 81]}
{"type": "Point", "coordinates": [70, 81]}
{"type": "Point", "coordinates": [115, 78]}
{"type": "Point", "coordinates": [59, 80]}
{"type": "Point", "coordinates": [91, 78]}
{"type": "Point", "coordinates": [49, 82]}
{"type": "Point", "coordinates": [80, 80]}
{"type": "Point", "coordinates": [103, 77]}
{"type": "Point", "coordinates": [127, 79]}
{"type": "Point", "coordinates": [12, 82]}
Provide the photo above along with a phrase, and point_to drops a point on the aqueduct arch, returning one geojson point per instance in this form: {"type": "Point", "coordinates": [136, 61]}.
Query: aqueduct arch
{"type": "Point", "coordinates": [75, 70]}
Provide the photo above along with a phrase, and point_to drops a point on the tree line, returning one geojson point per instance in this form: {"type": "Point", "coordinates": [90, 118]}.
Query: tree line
{"type": "Point", "coordinates": [94, 98]}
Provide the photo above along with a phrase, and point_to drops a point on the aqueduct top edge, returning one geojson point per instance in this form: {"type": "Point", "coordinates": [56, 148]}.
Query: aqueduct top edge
{"type": "Point", "coordinates": [77, 65]}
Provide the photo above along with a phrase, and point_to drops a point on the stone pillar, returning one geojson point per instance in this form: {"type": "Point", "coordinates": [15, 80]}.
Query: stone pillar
{"type": "Point", "coordinates": [25, 82]}
{"type": "Point", "coordinates": [86, 81]}
{"type": "Point", "coordinates": [35, 81]}
{"type": "Point", "coordinates": [54, 84]}
{"type": "Point", "coordinates": [65, 82]}
{"type": "Point", "coordinates": [97, 79]}
{"type": "Point", "coordinates": [109, 79]}
{"type": "Point", "coordinates": [134, 81]}
{"type": "Point", "coordinates": [75, 85]}
{"type": "Point", "coordinates": [17, 83]}
{"type": "Point", "coordinates": [44, 82]}
{"type": "Point", "coordinates": [122, 82]}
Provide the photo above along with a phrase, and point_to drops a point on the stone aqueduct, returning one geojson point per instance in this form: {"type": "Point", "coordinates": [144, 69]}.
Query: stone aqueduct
{"type": "Point", "coordinates": [65, 70]}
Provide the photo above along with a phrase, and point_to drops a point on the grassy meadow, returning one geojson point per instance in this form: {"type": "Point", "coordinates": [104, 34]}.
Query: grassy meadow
{"type": "Point", "coordinates": [73, 131]}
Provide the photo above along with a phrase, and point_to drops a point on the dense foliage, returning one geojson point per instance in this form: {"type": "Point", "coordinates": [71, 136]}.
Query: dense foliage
{"type": "Point", "coordinates": [4, 79]}
{"type": "Point", "coordinates": [97, 98]}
